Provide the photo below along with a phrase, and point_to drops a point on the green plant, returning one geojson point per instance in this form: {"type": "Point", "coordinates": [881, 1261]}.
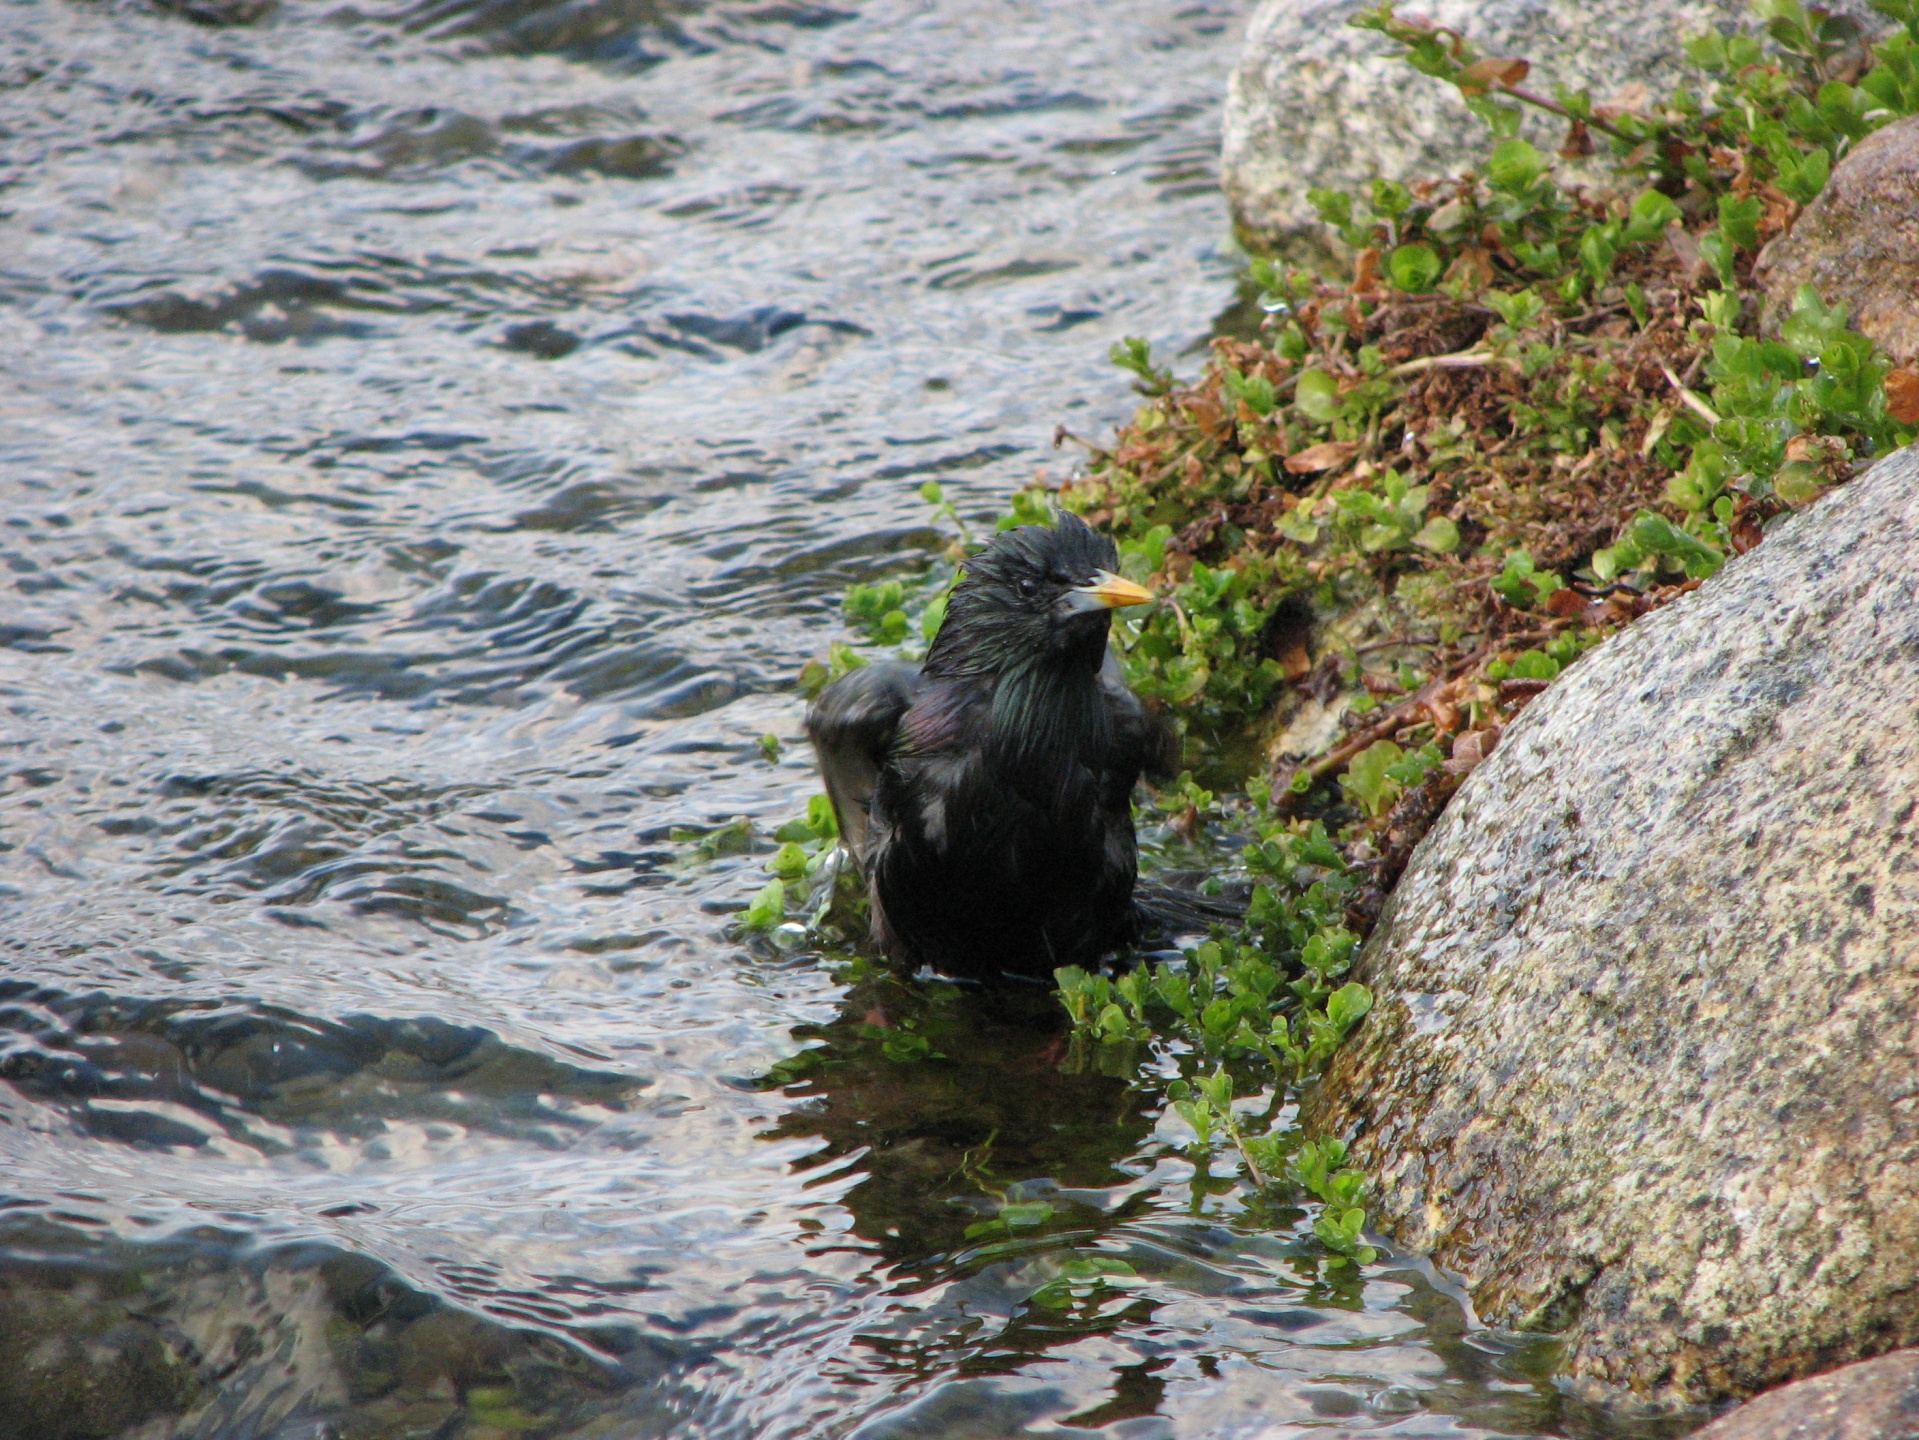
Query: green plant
{"type": "Point", "coordinates": [1320, 1167]}
{"type": "Point", "coordinates": [735, 837]}
{"type": "Point", "coordinates": [1256, 1012]}
{"type": "Point", "coordinates": [767, 910]}
{"type": "Point", "coordinates": [1529, 414]}
{"type": "Point", "coordinates": [1136, 355]}
{"type": "Point", "coordinates": [1526, 418]}
{"type": "Point", "coordinates": [810, 887]}
{"type": "Point", "coordinates": [1523, 388]}
{"type": "Point", "coordinates": [1083, 1280]}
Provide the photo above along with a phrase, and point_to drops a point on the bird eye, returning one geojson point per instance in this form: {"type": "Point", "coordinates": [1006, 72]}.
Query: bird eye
{"type": "Point", "coordinates": [1028, 589]}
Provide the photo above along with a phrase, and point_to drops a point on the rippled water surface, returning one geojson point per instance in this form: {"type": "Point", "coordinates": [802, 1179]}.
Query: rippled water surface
{"type": "Point", "coordinates": [434, 435]}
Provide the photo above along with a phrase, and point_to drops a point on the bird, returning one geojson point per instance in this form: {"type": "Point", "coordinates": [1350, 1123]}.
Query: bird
{"type": "Point", "coordinates": [985, 794]}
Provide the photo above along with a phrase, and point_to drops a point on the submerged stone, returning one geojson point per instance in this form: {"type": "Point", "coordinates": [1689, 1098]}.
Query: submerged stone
{"type": "Point", "coordinates": [1644, 1065]}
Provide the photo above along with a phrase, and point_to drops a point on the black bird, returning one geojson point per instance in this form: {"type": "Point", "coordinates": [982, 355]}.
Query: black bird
{"type": "Point", "coordinates": [986, 794]}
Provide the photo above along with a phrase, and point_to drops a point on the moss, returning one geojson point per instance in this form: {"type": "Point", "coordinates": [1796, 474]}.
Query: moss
{"type": "Point", "coordinates": [79, 1362]}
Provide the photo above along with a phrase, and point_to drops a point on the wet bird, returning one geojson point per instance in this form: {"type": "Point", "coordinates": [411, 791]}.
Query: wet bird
{"type": "Point", "coordinates": [986, 794]}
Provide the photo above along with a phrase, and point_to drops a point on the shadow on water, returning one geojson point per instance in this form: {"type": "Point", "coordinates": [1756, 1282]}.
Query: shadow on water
{"type": "Point", "coordinates": [101, 1337]}
{"type": "Point", "coordinates": [1000, 1173]}
{"type": "Point", "coordinates": [956, 1104]}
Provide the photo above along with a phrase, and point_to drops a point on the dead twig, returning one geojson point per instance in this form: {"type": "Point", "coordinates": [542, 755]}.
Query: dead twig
{"type": "Point", "coordinates": [1062, 435]}
{"type": "Point", "coordinates": [1691, 398]}
{"type": "Point", "coordinates": [1407, 712]}
{"type": "Point", "coordinates": [1458, 360]}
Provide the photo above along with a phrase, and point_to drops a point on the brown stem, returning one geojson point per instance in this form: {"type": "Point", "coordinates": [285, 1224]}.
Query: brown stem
{"type": "Point", "coordinates": [1260, 1178]}
{"type": "Point", "coordinates": [1556, 108]}
{"type": "Point", "coordinates": [1388, 725]}
{"type": "Point", "coordinates": [1397, 644]}
{"type": "Point", "coordinates": [1062, 435]}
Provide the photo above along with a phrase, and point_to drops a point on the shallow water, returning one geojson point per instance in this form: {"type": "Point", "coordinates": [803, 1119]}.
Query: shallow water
{"type": "Point", "coordinates": [434, 436]}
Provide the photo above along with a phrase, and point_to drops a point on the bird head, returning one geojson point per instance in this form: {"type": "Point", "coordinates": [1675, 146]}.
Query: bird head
{"type": "Point", "coordinates": [1037, 594]}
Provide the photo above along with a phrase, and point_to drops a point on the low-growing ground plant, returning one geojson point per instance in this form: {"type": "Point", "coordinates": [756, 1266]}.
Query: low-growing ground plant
{"type": "Point", "coordinates": [1528, 414]}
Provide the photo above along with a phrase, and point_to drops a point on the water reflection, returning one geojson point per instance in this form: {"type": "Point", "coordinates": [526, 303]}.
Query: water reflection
{"type": "Point", "coordinates": [956, 1104]}
{"type": "Point", "coordinates": [1043, 1222]}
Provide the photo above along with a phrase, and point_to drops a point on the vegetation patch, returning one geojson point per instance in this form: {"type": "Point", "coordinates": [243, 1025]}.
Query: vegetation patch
{"type": "Point", "coordinates": [1526, 416]}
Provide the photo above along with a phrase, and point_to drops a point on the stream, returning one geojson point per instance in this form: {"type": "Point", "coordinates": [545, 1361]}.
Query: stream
{"type": "Point", "coordinates": [435, 434]}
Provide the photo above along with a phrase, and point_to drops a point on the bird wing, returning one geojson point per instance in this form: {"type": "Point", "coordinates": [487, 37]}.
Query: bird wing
{"type": "Point", "coordinates": [852, 725]}
{"type": "Point", "coordinates": [1142, 741]}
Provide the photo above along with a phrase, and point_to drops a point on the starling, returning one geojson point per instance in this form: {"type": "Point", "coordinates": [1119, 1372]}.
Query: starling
{"type": "Point", "coordinates": [986, 795]}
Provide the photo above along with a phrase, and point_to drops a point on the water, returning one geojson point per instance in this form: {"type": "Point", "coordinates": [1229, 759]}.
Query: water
{"type": "Point", "coordinates": [434, 436]}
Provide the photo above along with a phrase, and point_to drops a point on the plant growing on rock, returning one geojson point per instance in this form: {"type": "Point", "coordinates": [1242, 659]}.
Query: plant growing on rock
{"type": "Point", "coordinates": [1528, 415]}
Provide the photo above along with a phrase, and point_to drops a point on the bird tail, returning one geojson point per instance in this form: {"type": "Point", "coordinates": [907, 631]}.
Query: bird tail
{"type": "Point", "coordinates": [1171, 909]}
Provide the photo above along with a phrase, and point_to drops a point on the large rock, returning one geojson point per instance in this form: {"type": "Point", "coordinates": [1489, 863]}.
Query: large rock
{"type": "Point", "coordinates": [1872, 1400]}
{"type": "Point", "coordinates": [1315, 102]}
{"type": "Point", "coordinates": [1644, 1064]}
{"type": "Point", "coordinates": [1858, 243]}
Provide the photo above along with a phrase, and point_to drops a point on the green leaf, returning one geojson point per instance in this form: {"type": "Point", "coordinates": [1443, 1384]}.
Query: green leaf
{"type": "Point", "coordinates": [1596, 252]}
{"type": "Point", "coordinates": [1136, 355]}
{"type": "Point", "coordinates": [1317, 395]}
{"type": "Point", "coordinates": [1718, 249]}
{"type": "Point", "coordinates": [820, 817]}
{"type": "Point", "coordinates": [903, 1047]}
{"type": "Point", "coordinates": [1515, 166]}
{"type": "Point", "coordinates": [1415, 268]}
{"type": "Point", "coordinates": [1348, 1005]}
{"type": "Point", "coordinates": [1534, 665]}
{"type": "Point", "coordinates": [1813, 325]}
{"type": "Point", "coordinates": [1027, 1213]}
{"type": "Point", "coordinates": [1439, 535]}
{"type": "Point", "coordinates": [1334, 207]}
{"type": "Point", "coordinates": [1366, 779]}
{"type": "Point", "coordinates": [768, 908]}
{"type": "Point", "coordinates": [1255, 391]}
{"type": "Point", "coordinates": [1739, 218]}
{"type": "Point", "coordinates": [1656, 535]}
{"type": "Point", "coordinates": [932, 617]}
{"type": "Point", "coordinates": [1412, 769]}
{"type": "Point", "coordinates": [1522, 583]}
{"type": "Point", "coordinates": [1518, 308]}
{"type": "Point", "coordinates": [1391, 199]}
{"type": "Point", "coordinates": [789, 861]}
{"type": "Point", "coordinates": [1095, 1267]}
{"type": "Point", "coordinates": [1651, 213]}
{"type": "Point", "coordinates": [1707, 51]}
{"type": "Point", "coordinates": [1798, 483]}
{"type": "Point", "coordinates": [735, 837]}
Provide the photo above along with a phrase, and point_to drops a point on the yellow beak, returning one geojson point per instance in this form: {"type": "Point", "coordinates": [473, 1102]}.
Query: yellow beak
{"type": "Point", "coordinates": [1115, 592]}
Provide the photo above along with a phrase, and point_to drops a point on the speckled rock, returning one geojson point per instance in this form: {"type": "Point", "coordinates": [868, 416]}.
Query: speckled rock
{"type": "Point", "coordinates": [1644, 1065]}
{"type": "Point", "coordinates": [1858, 243]}
{"type": "Point", "coordinates": [1315, 102]}
{"type": "Point", "coordinates": [1872, 1400]}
